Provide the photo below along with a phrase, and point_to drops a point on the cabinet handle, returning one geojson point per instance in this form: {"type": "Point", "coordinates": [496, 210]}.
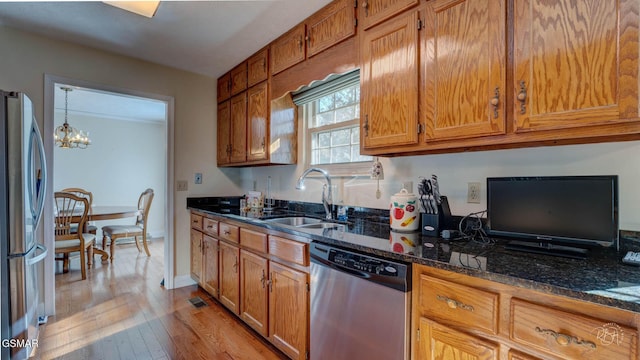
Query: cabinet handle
{"type": "Point", "coordinates": [235, 265]}
{"type": "Point", "coordinates": [308, 41]}
{"type": "Point", "coordinates": [564, 339]}
{"type": "Point", "coordinates": [495, 101]}
{"type": "Point", "coordinates": [262, 144]}
{"type": "Point", "coordinates": [365, 5]}
{"type": "Point", "coordinates": [264, 64]}
{"type": "Point", "coordinates": [271, 282]}
{"type": "Point", "coordinates": [522, 97]}
{"type": "Point", "coordinates": [300, 43]}
{"type": "Point", "coordinates": [226, 232]}
{"type": "Point", "coordinates": [454, 304]}
{"type": "Point", "coordinates": [366, 125]}
{"type": "Point", "coordinates": [263, 279]}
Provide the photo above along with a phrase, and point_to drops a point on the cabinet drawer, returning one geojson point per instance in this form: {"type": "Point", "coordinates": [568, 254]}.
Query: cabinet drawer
{"type": "Point", "coordinates": [253, 240]}
{"type": "Point", "coordinates": [228, 232]}
{"type": "Point", "coordinates": [196, 221]}
{"type": "Point", "coordinates": [289, 250]}
{"type": "Point", "coordinates": [458, 305]}
{"type": "Point", "coordinates": [210, 226]}
{"type": "Point", "coordinates": [569, 335]}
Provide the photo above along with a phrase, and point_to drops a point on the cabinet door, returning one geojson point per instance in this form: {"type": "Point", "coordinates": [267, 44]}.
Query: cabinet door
{"type": "Point", "coordinates": [196, 255]}
{"type": "Point", "coordinates": [375, 11]}
{"type": "Point", "coordinates": [289, 310]}
{"type": "Point", "coordinates": [254, 291]}
{"type": "Point", "coordinates": [288, 49]}
{"type": "Point", "coordinates": [257, 67]}
{"type": "Point", "coordinates": [239, 79]}
{"type": "Point", "coordinates": [224, 87]}
{"type": "Point", "coordinates": [238, 136]}
{"type": "Point", "coordinates": [224, 133]}
{"type": "Point", "coordinates": [329, 26]}
{"type": "Point", "coordinates": [464, 68]}
{"type": "Point", "coordinates": [229, 276]}
{"type": "Point", "coordinates": [258, 119]}
{"type": "Point", "coordinates": [440, 342]}
{"type": "Point", "coordinates": [210, 265]}
{"type": "Point", "coordinates": [389, 83]}
{"type": "Point", "coordinates": [576, 63]}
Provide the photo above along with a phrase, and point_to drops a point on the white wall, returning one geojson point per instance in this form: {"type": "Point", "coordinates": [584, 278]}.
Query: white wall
{"type": "Point", "coordinates": [454, 171]}
{"type": "Point", "coordinates": [125, 158]}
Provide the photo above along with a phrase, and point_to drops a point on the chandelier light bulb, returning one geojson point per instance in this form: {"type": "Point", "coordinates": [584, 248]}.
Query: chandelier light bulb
{"type": "Point", "coordinates": [66, 136]}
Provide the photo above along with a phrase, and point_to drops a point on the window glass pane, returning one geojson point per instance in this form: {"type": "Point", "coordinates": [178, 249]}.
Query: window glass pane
{"type": "Point", "coordinates": [324, 140]}
{"type": "Point", "coordinates": [323, 119]}
{"type": "Point", "coordinates": [345, 97]}
{"type": "Point", "coordinates": [324, 156]}
{"type": "Point", "coordinates": [325, 103]}
{"type": "Point", "coordinates": [355, 135]}
{"type": "Point", "coordinates": [345, 114]}
{"type": "Point", "coordinates": [340, 154]}
{"type": "Point", "coordinates": [314, 141]}
{"type": "Point", "coordinates": [340, 137]}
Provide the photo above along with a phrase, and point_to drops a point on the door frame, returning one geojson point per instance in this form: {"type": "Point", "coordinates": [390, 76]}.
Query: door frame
{"type": "Point", "coordinates": [48, 128]}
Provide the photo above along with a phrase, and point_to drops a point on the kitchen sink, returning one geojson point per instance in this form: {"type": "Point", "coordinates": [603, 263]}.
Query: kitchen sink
{"type": "Point", "coordinates": [303, 222]}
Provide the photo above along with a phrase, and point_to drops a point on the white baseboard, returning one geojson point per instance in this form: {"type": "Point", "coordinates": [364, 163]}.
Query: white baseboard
{"type": "Point", "coordinates": [182, 281]}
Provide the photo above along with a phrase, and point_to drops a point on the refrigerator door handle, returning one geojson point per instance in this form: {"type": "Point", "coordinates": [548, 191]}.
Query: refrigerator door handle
{"type": "Point", "coordinates": [36, 259]}
{"type": "Point", "coordinates": [40, 190]}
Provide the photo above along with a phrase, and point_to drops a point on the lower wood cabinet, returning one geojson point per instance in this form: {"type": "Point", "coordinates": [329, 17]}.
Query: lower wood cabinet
{"type": "Point", "coordinates": [209, 279]}
{"type": "Point", "coordinates": [289, 310]}
{"type": "Point", "coordinates": [230, 276]}
{"type": "Point", "coordinates": [254, 290]}
{"type": "Point", "coordinates": [196, 255]}
{"type": "Point", "coordinates": [456, 316]}
{"type": "Point", "coordinates": [440, 342]}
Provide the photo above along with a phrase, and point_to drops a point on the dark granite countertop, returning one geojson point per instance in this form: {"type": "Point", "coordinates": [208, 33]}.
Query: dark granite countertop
{"type": "Point", "coordinates": [600, 278]}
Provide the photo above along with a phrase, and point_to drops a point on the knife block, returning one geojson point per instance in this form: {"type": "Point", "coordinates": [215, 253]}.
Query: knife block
{"type": "Point", "coordinates": [430, 224]}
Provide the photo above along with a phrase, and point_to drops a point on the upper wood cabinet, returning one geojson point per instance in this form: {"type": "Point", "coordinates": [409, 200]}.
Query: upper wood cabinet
{"type": "Point", "coordinates": [224, 133]}
{"type": "Point", "coordinates": [238, 136]}
{"type": "Point", "coordinates": [329, 26]}
{"type": "Point", "coordinates": [224, 87]}
{"type": "Point", "coordinates": [258, 67]}
{"type": "Point", "coordinates": [288, 49]}
{"type": "Point", "coordinates": [464, 68]}
{"type": "Point", "coordinates": [389, 83]}
{"type": "Point", "coordinates": [576, 63]}
{"type": "Point", "coordinates": [373, 12]}
{"type": "Point", "coordinates": [257, 122]}
{"type": "Point", "coordinates": [239, 79]}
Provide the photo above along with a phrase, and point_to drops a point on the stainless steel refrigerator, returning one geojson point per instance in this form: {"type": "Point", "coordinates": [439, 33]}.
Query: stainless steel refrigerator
{"type": "Point", "coordinates": [22, 186]}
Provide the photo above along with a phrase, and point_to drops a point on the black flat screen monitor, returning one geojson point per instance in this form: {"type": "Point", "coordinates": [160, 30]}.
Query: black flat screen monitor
{"type": "Point", "coordinates": [578, 211]}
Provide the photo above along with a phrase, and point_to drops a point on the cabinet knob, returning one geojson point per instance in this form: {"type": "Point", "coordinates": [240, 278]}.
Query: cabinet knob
{"type": "Point", "coordinates": [522, 97]}
{"type": "Point", "coordinates": [495, 101]}
{"type": "Point", "coordinates": [365, 5]}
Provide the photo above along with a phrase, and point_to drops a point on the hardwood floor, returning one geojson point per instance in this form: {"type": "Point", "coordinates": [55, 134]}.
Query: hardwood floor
{"type": "Point", "coordinates": [122, 312]}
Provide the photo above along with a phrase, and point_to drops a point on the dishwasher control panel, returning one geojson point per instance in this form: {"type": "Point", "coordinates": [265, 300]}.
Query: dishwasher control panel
{"type": "Point", "coordinates": [363, 263]}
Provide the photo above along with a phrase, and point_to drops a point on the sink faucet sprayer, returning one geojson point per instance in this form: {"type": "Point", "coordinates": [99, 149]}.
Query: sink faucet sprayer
{"type": "Point", "coordinates": [326, 189]}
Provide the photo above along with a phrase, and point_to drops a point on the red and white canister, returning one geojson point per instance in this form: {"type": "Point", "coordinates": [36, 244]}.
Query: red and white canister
{"type": "Point", "coordinates": [403, 210]}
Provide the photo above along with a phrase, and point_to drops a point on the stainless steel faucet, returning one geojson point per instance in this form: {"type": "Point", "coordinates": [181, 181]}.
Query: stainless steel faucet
{"type": "Point", "coordinates": [326, 189]}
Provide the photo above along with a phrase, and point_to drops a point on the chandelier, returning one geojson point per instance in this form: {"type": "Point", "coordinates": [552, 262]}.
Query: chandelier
{"type": "Point", "coordinates": [68, 137]}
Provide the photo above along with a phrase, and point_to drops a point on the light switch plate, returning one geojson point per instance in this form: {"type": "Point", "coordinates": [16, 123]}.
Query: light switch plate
{"type": "Point", "coordinates": [197, 178]}
{"type": "Point", "coordinates": [183, 185]}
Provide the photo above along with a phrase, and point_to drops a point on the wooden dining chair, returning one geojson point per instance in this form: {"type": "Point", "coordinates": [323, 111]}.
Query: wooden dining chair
{"type": "Point", "coordinates": [89, 228]}
{"type": "Point", "coordinates": [68, 208]}
{"type": "Point", "coordinates": [139, 229]}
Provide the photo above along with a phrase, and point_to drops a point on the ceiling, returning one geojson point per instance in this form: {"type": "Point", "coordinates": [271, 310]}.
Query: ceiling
{"type": "Point", "coordinates": [204, 37]}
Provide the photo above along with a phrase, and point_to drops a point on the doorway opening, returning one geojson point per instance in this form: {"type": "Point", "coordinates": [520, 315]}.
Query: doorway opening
{"type": "Point", "coordinates": [131, 150]}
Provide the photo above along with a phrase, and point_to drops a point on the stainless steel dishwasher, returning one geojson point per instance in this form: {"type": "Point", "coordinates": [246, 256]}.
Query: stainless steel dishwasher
{"type": "Point", "coordinates": [359, 306]}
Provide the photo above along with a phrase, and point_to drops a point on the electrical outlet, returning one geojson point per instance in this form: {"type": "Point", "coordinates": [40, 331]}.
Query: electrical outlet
{"type": "Point", "coordinates": [183, 185]}
{"type": "Point", "coordinates": [473, 193]}
{"type": "Point", "coordinates": [197, 178]}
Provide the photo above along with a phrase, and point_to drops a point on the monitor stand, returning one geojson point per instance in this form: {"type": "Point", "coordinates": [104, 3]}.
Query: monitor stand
{"type": "Point", "coordinates": [548, 249]}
